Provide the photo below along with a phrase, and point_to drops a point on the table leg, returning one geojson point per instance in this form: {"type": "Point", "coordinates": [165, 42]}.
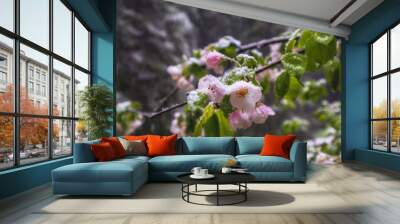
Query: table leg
{"type": "Point", "coordinates": [195, 188]}
{"type": "Point", "coordinates": [217, 194]}
{"type": "Point", "coordinates": [245, 193]}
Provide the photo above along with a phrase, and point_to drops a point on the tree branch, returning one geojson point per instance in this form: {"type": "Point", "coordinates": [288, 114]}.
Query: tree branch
{"type": "Point", "coordinates": [156, 114]}
{"type": "Point", "coordinates": [166, 98]}
{"type": "Point", "coordinates": [244, 48]}
{"type": "Point", "coordinates": [262, 43]}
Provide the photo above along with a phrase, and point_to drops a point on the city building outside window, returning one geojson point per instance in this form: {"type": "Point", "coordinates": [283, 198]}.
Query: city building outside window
{"type": "Point", "coordinates": [57, 127]}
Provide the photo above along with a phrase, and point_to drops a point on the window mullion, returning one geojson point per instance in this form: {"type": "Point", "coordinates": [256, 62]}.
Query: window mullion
{"type": "Point", "coordinates": [73, 83]}
{"type": "Point", "coordinates": [16, 70]}
{"type": "Point", "coordinates": [389, 104]}
{"type": "Point", "coordinates": [50, 81]}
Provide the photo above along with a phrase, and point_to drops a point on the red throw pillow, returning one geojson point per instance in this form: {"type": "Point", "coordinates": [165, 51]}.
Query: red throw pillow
{"type": "Point", "coordinates": [277, 145]}
{"type": "Point", "coordinates": [136, 137]}
{"type": "Point", "coordinates": [161, 145]}
{"type": "Point", "coordinates": [103, 152]}
{"type": "Point", "coordinates": [116, 145]}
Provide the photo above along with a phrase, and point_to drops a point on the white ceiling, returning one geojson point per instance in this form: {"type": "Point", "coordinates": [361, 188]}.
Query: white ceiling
{"type": "Point", "coordinates": [308, 14]}
{"type": "Point", "coordinates": [320, 9]}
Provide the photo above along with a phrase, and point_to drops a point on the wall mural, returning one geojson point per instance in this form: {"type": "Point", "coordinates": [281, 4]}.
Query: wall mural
{"type": "Point", "coordinates": [195, 72]}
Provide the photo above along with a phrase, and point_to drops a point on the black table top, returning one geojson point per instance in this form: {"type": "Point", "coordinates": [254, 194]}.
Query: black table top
{"type": "Point", "coordinates": [220, 178]}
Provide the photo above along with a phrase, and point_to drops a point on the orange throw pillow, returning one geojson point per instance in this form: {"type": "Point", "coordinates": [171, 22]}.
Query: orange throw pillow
{"type": "Point", "coordinates": [136, 137]}
{"type": "Point", "coordinates": [161, 145]}
{"type": "Point", "coordinates": [116, 145]}
{"type": "Point", "coordinates": [103, 152]}
{"type": "Point", "coordinates": [277, 145]}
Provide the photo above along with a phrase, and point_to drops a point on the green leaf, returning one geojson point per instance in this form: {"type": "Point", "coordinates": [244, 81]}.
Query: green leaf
{"type": "Point", "coordinates": [282, 84]}
{"type": "Point", "coordinates": [211, 126]}
{"type": "Point", "coordinates": [229, 51]}
{"type": "Point", "coordinates": [314, 91]}
{"type": "Point", "coordinates": [323, 38]}
{"type": "Point", "coordinates": [213, 122]}
{"type": "Point", "coordinates": [265, 84]}
{"type": "Point", "coordinates": [261, 60]}
{"type": "Point", "coordinates": [223, 124]}
{"type": "Point", "coordinates": [333, 72]}
{"type": "Point", "coordinates": [305, 36]}
{"type": "Point", "coordinates": [294, 63]}
{"type": "Point", "coordinates": [207, 114]}
{"type": "Point", "coordinates": [196, 53]}
{"type": "Point", "coordinates": [194, 69]}
{"type": "Point", "coordinates": [295, 88]}
{"type": "Point", "coordinates": [247, 60]}
{"type": "Point", "coordinates": [292, 41]}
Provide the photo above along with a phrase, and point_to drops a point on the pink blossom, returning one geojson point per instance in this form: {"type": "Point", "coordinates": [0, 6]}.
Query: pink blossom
{"type": "Point", "coordinates": [244, 95]}
{"type": "Point", "coordinates": [261, 113]}
{"type": "Point", "coordinates": [175, 71]}
{"type": "Point", "coordinates": [213, 87]}
{"type": "Point", "coordinates": [275, 51]}
{"type": "Point", "coordinates": [184, 84]}
{"type": "Point", "coordinates": [239, 120]}
{"type": "Point", "coordinates": [213, 60]}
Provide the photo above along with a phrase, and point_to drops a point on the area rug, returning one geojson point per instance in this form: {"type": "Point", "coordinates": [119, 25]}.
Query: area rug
{"type": "Point", "coordinates": [166, 198]}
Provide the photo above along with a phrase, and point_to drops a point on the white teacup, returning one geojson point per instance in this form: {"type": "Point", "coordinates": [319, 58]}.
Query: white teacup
{"type": "Point", "coordinates": [196, 171]}
{"type": "Point", "coordinates": [226, 170]}
{"type": "Point", "coordinates": [203, 172]}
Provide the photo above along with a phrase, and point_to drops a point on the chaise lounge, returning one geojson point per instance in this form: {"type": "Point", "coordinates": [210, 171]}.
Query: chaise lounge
{"type": "Point", "coordinates": [125, 176]}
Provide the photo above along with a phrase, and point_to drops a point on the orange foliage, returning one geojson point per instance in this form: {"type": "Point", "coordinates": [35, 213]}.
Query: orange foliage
{"type": "Point", "coordinates": [33, 130]}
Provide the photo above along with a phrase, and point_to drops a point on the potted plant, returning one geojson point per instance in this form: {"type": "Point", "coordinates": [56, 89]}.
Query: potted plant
{"type": "Point", "coordinates": [96, 102]}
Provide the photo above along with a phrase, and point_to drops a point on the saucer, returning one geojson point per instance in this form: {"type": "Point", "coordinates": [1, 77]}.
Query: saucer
{"type": "Point", "coordinates": [208, 176]}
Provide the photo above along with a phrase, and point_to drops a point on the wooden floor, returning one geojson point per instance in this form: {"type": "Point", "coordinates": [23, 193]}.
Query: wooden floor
{"type": "Point", "coordinates": [379, 189]}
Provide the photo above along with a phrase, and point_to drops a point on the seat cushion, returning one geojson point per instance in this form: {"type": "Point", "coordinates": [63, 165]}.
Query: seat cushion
{"type": "Point", "coordinates": [249, 145]}
{"type": "Point", "coordinates": [111, 171]}
{"type": "Point", "coordinates": [257, 163]}
{"type": "Point", "coordinates": [207, 145]}
{"type": "Point", "coordinates": [185, 163]}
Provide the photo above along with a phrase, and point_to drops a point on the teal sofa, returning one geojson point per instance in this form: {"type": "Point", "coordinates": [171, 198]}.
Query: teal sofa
{"type": "Point", "coordinates": [125, 176]}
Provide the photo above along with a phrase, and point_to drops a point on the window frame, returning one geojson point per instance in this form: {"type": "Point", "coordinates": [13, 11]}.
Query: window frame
{"type": "Point", "coordinates": [16, 114]}
{"type": "Point", "coordinates": [388, 74]}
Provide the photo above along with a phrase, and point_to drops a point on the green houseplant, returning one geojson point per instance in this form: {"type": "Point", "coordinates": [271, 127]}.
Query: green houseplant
{"type": "Point", "coordinates": [96, 102]}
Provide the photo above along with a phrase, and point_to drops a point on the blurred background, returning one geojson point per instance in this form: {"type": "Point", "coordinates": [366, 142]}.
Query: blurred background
{"type": "Point", "coordinates": [153, 34]}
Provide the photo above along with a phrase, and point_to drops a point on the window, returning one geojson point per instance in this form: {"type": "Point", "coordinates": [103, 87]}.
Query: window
{"type": "Point", "coordinates": [35, 21]}
{"type": "Point", "coordinates": [385, 94]}
{"type": "Point", "coordinates": [7, 14]}
{"type": "Point", "coordinates": [81, 45]}
{"type": "Point", "coordinates": [41, 124]}
{"type": "Point", "coordinates": [6, 73]}
{"type": "Point", "coordinates": [30, 87]}
{"type": "Point", "coordinates": [44, 91]}
{"type": "Point", "coordinates": [3, 78]}
{"type": "Point", "coordinates": [62, 29]}
{"type": "Point", "coordinates": [30, 72]}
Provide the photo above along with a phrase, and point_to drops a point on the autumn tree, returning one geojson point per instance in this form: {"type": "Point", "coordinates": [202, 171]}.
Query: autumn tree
{"type": "Point", "coordinates": [33, 130]}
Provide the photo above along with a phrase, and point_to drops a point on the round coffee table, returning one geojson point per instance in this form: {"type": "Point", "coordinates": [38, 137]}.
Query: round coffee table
{"type": "Point", "coordinates": [238, 179]}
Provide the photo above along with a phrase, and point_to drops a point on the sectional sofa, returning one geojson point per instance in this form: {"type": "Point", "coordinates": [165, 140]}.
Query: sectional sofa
{"type": "Point", "coordinates": [125, 176]}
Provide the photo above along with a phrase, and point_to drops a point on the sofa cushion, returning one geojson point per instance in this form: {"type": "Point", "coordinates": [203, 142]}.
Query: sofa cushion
{"type": "Point", "coordinates": [277, 145]}
{"type": "Point", "coordinates": [116, 145]}
{"type": "Point", "coordinates": [185, 163]}
{"type": "Point", "coordinates": [103, 152]}
{"type": "Point", "coordinates": [112, 171]}
{"type": "Point", "coordinates": [207, 145]}
{"type": "Point", "coordinates": [257, 163]}
{"type": "Point", "coordinates": [249, 145]}
{"type": "Point", "coordinates": [161, 145]}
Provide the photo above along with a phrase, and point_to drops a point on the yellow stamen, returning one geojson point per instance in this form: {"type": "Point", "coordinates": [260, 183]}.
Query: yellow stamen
{"type": "Point", "coordinates": [242, 92]}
